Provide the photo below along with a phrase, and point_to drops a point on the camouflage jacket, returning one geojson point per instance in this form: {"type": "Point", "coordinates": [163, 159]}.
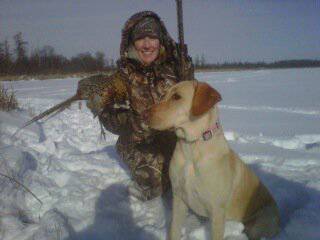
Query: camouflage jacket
{"type": "Point", "coordinates": [133, 88]}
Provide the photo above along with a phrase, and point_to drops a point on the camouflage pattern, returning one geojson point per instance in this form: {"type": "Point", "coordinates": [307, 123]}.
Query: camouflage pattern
{"type": "Point", "coordinates": [148, 27]}
{"type": "Point", "coordinates": [123, 97]}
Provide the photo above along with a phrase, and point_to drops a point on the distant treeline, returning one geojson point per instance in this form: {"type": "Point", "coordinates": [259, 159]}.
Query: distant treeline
{"type": "Point", "coordinates": [44, 61]}
{"type": "Point", "coordinates": [261, 65]}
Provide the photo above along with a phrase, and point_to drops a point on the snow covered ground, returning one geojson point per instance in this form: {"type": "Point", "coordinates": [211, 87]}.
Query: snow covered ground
{"type": "Point", "coordinates": [270, 117]}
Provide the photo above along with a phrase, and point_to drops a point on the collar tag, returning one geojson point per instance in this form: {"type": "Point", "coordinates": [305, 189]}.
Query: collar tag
{"type": "Point", "coordinates": [207, 135]}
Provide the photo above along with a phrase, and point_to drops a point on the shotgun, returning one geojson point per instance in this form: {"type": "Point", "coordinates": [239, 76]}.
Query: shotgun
{"type": "Point", "coordinates": [182, 47]}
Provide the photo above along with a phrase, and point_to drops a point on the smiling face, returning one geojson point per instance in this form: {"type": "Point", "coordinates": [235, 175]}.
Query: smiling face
{"type": "Point", "coordinates": [148, 49]}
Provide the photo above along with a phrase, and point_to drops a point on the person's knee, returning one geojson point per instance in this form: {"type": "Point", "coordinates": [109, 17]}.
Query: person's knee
{"type": "Point", "coordinates": [151, 180]}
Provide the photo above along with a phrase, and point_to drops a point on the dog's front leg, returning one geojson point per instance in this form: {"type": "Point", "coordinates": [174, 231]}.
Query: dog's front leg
{"type": "Point", "coordinates": [179, 212]}
{"type": "Point", "coordinates": [217, 225]}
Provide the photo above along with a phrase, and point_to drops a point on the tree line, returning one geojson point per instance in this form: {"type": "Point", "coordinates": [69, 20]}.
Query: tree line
{"type": "Point", "coordinates": [201, 63]}
{"type": "Point", "coordinates": [46, 61]}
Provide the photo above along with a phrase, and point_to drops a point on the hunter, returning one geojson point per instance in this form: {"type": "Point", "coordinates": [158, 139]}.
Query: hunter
{"type": "Point", "coordinates": [147, 67]}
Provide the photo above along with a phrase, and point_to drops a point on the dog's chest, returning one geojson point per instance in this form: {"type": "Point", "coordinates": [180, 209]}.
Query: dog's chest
{"type": "Point", "coordinates": [186, 181]}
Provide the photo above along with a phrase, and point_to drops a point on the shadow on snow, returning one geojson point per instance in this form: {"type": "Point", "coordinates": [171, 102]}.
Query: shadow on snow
{"type": "Point", "coordinates": [113, 218]}
{"type": "Point", "coordinates": [298, 207]}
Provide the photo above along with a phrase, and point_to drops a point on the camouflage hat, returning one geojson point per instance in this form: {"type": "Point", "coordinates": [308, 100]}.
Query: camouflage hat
{"type": "Point", "coordinates": [147, 27]}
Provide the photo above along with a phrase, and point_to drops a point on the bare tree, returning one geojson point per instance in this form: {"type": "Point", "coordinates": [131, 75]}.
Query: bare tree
{"type": "Point", "coordinates": [203, 61]}
{"type": "Point", "coordinates": [1, 55]}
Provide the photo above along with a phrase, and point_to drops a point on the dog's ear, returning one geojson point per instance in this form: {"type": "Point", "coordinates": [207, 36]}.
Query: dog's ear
{"type": "Point", "coordinates": [204, 98]}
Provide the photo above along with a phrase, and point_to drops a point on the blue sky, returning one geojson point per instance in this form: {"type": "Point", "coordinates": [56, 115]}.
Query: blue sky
{"type": "Point", "coordinates": [242, 30]}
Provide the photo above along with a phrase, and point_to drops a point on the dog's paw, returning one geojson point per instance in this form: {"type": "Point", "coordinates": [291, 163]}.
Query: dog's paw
{"type": "Point", "coordinates": [234, 231]}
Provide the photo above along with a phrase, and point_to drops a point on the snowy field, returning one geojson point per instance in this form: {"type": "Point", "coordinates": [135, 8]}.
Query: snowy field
{"type": "Point", "coordinates": [270, 117]}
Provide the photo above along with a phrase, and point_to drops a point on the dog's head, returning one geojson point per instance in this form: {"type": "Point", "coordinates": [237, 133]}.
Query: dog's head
{"type": "Point", "coordinates": [185, 104]}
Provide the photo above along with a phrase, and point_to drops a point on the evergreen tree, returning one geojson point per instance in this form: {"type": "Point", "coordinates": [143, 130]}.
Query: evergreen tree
{"type": "Point", "coordinates": [20, 51]}
{"type": "Point", "coordinates": [100, 61]}
{"type": "Point", "coordinates": [6, 63]}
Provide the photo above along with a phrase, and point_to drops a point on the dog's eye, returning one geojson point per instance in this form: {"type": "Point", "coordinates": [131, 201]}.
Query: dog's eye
{"type": "Point", "coordinates": [176, 96]}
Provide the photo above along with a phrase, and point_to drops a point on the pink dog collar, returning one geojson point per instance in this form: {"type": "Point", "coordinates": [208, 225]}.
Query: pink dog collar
{"type": "Point", "coordinates": [207, 135]}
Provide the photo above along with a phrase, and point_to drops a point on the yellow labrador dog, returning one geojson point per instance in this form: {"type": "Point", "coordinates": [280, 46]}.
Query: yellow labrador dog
{"type": "Point", "coordinates": [206, 174]}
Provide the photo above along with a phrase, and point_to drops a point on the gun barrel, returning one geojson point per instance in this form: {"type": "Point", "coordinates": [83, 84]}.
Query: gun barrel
{"type": "Point", "coordinates": [182, 47]}
{"type": "Point", "coordinates": [180, 22]}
